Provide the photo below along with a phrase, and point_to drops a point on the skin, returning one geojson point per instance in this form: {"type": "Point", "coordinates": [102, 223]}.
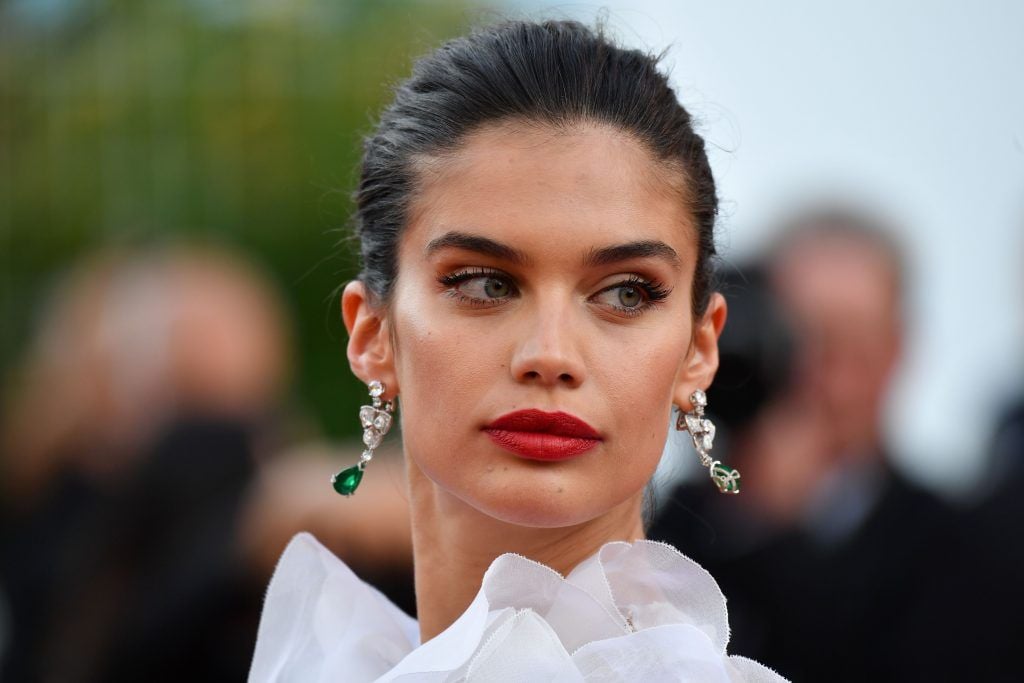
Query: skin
{"type": "Point", "coordinates": [547, 335]}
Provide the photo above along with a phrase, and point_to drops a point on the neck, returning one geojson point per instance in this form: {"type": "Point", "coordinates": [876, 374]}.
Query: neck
{"type": "Point", "coordinates": [454, 544]}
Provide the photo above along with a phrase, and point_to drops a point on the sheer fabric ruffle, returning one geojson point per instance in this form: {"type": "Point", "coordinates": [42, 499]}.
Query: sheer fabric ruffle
{"type": "Point", "coordinates": [638, 611]}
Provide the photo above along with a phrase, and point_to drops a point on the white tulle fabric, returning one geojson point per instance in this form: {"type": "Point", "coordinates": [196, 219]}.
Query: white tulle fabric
{"type": "Point", "coordinates": [637, 611]}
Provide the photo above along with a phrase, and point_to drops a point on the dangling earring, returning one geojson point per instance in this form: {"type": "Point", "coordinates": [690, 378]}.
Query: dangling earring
{"type": "Point", "coordinates": [376, 421]}
{"type": "Point", "coordinates": [702, 430]}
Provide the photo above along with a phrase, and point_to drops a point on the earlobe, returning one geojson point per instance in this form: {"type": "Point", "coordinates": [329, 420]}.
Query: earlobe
{"type": "Point", "coordinates": [702, 362]}
{"type": "Point", "coordinates": [369, 352]}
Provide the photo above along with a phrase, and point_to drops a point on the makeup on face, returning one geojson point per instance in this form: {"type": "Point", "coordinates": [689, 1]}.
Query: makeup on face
{"type": "Point", "coordinates": [544, 314]}
{"type": "Point", "coordinates": [539, 435]}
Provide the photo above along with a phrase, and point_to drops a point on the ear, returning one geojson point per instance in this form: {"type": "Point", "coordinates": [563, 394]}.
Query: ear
{"type": "Point", "coordinates": [370, 353]}
{"type": "Point", "coordinates": [702, 360]}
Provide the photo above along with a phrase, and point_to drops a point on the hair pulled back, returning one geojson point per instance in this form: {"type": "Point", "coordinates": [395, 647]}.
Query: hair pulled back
{"type": "Point", "coordinates": [558, 73]}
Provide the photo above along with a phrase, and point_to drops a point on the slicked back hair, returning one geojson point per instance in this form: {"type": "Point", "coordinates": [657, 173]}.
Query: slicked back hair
{"type": "Point", "coordinates": [556, 73]}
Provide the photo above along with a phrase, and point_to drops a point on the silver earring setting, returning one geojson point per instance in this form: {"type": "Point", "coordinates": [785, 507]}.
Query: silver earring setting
{"type": "Point", "coordinates": [702, 430]}
{"type": "Point", "coordinates": [376, 421]}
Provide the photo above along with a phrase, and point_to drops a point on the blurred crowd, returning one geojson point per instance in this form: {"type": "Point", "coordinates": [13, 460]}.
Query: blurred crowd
{"type": "Point", "coordinates": [153, 470]}
{"type": "Point", "coordinates": [836, 564]}
{"type": "Point", "coordinates": [154, 466]}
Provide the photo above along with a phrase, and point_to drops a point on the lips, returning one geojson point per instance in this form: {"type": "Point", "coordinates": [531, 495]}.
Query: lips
{"type": "Point", "coordinates": [538, 435]}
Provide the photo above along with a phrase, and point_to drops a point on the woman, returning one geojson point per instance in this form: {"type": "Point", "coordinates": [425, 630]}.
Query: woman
{"type": "Point", "coordinates": [536, 219]}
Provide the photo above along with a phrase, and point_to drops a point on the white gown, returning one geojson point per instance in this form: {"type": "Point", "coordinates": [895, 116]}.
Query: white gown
{"type": "Point", "coordinates": [638, 611]}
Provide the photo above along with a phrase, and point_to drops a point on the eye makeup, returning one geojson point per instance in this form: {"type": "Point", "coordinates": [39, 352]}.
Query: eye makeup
{"type": "Point", "coordinates": [652, 291]}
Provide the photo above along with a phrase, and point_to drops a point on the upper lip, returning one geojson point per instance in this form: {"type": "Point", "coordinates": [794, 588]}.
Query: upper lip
{"type": "Point", "coordinates": [533, 420]}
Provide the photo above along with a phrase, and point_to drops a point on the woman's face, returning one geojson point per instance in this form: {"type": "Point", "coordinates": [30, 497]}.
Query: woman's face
{"type": "Point", "coordinates": [549, 271]}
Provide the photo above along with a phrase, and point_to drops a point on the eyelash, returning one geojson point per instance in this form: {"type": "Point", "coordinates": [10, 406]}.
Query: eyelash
{"type": "Point", "coordinates": [654, 292]}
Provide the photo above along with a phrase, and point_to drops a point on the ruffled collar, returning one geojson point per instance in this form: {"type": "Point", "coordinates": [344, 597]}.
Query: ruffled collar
{"type": "Point", "coordinates": [631, 611]}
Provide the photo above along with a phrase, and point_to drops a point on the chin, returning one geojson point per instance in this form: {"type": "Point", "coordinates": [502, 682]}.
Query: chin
{"type": "Point", "coordinates": [548, 504]}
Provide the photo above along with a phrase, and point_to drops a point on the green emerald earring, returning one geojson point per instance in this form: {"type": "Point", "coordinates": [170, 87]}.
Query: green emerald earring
{"type": "Point", "coordinates": [702, 430]}
{"type": "Point", "coordinates": [376, 421]}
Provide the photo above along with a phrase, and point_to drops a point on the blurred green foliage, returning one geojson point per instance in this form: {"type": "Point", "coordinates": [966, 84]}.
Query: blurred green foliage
{"type": "Point", "coordinates": [125, 121]}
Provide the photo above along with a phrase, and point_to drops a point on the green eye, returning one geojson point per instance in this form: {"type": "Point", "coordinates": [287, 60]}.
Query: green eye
{"type": "Point", "coordinates": [630, 296]}
{"type": "Point", "coordinates": [495, 288]}
{"type": "Point", "coordinates": [478, 287]}
{"type": "Point", "coordinates": [633, 296]}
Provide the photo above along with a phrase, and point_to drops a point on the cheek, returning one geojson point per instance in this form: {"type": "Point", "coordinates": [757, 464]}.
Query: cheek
{"type": "Point", "coordinates": [642, 382]}
{"type": "Point", "coordinates": [440, 367]}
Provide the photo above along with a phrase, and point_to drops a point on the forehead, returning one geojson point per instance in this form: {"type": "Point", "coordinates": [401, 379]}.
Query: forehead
{"type": "Point", "coordinates": [552, 191]}
{"type": "Point", "coordinates": [838, 280]}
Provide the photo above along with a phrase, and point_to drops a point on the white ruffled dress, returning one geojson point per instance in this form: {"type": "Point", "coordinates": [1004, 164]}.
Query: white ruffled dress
{"type": "Point", "coordinates": [638, 611]}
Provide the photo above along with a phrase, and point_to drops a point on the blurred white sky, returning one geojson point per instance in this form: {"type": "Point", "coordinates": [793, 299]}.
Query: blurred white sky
{"type": "Point", "coordinates": [915, 108]}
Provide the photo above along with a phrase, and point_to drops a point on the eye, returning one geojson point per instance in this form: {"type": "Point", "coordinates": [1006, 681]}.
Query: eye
{"type": "Point", "coordinates": [495, 288]}
{"type": "Point", "coordinates": [622, 296]}
{"type": "Point", "coordinates": [634, 295]}
{"type": "Point", "coordinates": [478, 286]}
{"type": "Point", "coordinates": [630, 296]}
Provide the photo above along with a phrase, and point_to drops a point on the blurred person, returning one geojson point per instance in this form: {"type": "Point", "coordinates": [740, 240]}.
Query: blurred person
{"type": "Point", "coordinates": [994, 553]}
{"type": "Point", "coordinates": [838, 566]}
{"type": "Point", "coordinates": [869, 566]}
{"type": "Point", "coordinates": [1005, 467]}
{"type": "Point", "coordinates": [130, 441]}
{"type": "Point", "coordinates": [993, 559]}
{"type": "Point", "coordinates": [128, 340]}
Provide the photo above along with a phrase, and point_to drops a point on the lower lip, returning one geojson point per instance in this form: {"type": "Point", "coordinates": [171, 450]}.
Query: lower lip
{"type": "Point", "coordinates": [540, 446]}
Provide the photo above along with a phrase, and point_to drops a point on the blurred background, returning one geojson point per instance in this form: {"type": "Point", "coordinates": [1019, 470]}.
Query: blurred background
{"type": "Point", "coordinates": [175, 184]}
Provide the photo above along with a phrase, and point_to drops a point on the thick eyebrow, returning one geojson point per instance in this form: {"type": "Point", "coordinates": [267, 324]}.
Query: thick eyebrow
{"type": "Point", "coordinates": [640, 249]}
{"type": "Point", "coordinates": [479, 244]}
{"type": "Point", "coordinates": [595, 257]}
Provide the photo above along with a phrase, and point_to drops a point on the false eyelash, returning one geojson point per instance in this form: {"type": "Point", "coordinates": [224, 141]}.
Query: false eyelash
{"type": "Point", "coordinates": [470, 273]}
{"type": "Point", "coordinates": [452, 279]}
{"type": "Point", "coordinates": [655, 291]}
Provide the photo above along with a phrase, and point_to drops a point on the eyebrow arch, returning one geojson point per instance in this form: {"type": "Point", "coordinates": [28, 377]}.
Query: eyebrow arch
{"type": "Point", "coordinates": [595, 257]}
{"type": "Point", "coordinates": [630, 250]}
{"type": "Point", "coordinates": [479, 244]}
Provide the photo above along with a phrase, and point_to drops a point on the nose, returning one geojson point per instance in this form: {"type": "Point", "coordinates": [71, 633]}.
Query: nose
{"type": "Point", "coordinates": [548, 352]}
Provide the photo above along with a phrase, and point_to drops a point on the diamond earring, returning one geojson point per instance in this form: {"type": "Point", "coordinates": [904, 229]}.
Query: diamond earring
{"type": "Point", "coordinates": [702, 430]}
{"type": "Point", "coordinates": [376, 421]}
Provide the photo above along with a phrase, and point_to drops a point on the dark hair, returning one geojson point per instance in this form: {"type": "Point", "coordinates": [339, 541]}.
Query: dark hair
{"type": "Point", "coordinates": [558, 73]}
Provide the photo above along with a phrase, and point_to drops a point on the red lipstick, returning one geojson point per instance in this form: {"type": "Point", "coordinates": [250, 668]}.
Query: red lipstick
{"type": "Point", "coordinates": [537, 435]}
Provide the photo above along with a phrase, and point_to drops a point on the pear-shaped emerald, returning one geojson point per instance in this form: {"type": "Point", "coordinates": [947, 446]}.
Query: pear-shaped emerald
{"type": "Point", "coordinates": [347, 481]}
{"type": "Point", "coordinates": [726, 478]}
